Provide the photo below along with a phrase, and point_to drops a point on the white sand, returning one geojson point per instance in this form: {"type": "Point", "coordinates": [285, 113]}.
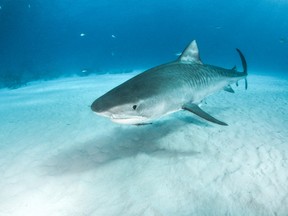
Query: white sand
{"type": "Point", "coordinates": [58, 158]}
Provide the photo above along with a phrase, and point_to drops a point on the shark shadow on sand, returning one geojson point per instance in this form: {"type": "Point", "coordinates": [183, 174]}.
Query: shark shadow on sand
{"type": "Point", "coordinates": [119, 143]}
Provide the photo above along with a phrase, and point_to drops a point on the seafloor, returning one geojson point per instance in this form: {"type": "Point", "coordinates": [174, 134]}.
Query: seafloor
{"type": "Point", "coordinates": [58, 158]}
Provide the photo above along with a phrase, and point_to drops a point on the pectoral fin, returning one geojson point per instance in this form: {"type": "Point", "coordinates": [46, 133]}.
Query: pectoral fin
{"type": "Point", "coordinates": [197, 111]}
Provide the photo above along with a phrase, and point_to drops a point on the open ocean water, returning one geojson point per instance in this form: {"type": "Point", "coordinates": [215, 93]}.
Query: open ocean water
{"type": "Point", "coordinates": [48, 39]}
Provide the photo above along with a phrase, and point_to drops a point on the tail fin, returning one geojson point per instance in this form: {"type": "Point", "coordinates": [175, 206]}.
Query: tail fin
{"type": "Point", "coordinates": [244, 65]}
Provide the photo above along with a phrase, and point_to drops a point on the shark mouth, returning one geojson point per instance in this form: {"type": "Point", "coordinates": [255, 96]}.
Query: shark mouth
{"type": "Point", "coordinates": [129, 120]}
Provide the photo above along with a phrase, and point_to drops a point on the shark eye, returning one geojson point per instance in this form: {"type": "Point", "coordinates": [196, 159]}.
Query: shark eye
{"type": "Point", "coordinates": [134, 107]}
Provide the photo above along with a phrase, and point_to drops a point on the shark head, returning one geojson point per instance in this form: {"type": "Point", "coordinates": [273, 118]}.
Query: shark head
{"type": "Point", "coordinates": [128, 113]}
{"type": "Point", "coordinates": [126, 107]}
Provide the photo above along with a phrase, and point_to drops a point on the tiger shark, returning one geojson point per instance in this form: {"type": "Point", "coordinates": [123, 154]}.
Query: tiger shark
{"type": "Point", "coordinates": [170, 87]}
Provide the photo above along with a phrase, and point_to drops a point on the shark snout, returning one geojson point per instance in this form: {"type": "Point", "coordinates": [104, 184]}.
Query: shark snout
{"type": "Point", "coordinates": [100, 108]}
{"type": "Point", "coordinates": [97, 106]}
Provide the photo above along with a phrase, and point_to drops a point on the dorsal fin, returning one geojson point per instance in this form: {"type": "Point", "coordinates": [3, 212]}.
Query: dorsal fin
{"type": "Point", "coordinates": [190, 54]}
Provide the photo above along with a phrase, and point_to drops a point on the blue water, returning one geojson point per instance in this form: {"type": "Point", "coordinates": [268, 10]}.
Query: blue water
{"type": "Point", "coordinates": [46, 39]}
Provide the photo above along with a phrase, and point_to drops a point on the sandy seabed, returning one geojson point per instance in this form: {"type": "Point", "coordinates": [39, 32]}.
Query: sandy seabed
{"type": "Point", "coordinates": [58, 158]}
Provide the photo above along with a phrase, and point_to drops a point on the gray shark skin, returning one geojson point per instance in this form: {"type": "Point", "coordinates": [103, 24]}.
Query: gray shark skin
{"type": "Point", "coordinates": [178, 85]}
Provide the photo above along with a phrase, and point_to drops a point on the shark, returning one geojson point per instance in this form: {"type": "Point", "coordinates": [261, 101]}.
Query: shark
{"type": "Point", "coordinates": [168, 88]}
